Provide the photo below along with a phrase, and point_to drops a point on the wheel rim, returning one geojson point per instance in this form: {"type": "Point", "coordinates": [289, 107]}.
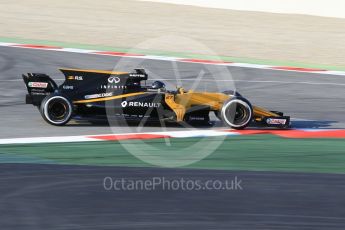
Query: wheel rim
{"type": "Point", "coordinates": [57, 110]}
{"type": "Point", "coordinates": [237, 113]}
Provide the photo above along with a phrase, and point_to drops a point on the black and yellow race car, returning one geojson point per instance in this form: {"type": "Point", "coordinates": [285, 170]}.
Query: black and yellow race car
{"type": "Point", "coordinates": [95, 95]}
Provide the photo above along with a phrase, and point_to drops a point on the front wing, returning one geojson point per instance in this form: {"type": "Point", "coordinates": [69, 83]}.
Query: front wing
{"type": "Point", "coordinates": [270, 118]}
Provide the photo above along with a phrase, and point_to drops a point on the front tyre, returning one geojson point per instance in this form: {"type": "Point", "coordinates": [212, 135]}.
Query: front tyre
{"type": "Point", "coordinates": [56, 109]}
{"type": "Point", "coordinates": [237, 113]}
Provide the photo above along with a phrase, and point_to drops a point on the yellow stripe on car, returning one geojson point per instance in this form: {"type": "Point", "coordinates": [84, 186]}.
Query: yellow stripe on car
{"type": "Point", "coordinates": [94, 71]}
{"type": "Point", "coordinates": [108, 98]}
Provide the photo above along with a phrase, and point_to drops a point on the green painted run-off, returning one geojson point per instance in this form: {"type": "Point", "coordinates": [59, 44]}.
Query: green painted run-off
{"type": "Point", "coordinates": [253, 153]}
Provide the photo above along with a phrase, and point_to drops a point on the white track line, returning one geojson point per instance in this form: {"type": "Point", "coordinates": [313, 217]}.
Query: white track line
{"type": "Point", "coordinates": [88, 138]}
{"type": "Point", "coordinates": [33, 140]}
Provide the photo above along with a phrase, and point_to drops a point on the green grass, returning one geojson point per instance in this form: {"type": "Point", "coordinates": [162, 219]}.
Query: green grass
{"type": "Point", "coordinates": [174, 54]}
{"type": "Point", "coordinates": [252, 153]}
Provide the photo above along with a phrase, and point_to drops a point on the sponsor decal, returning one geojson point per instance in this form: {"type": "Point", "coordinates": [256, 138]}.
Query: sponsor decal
{"type": "Point", "coordinates": [77, 78]}
{"type": "Point", "coordinates": [68, 87]}
{"type": "Point", "coordinates": [37, 90]}
{"type": "Point", "coordinates": [191, 118]}
{"type": "Point", "coordinates": [276, 121]}
{"type": "Point", "coordinates": [140, 104]}
{"type": "Point", "coordinates": [137, 75]}
{"type": "Point", "coordinates": [98, 95]}
{"type": "Point", "coordinates": [124, 104]}
{"type": "Point", "coordinates": [114, 80]}
{"type": "Point", "coordinates": [40, 93]}
{"type": "Point", "coordinates": [42, 85]}
{"type": "Point", "coordinates": [113, 87]}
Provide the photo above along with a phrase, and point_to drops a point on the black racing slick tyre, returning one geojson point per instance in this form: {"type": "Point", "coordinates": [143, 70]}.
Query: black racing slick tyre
{"type": "Point", "coordinates": [237, 113]}
{"type": "Point", "coordinates": [56, 109]}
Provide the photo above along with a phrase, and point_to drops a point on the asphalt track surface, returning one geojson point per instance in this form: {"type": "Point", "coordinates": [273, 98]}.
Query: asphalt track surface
{"type": "Point", "coordinates": [73, 197]}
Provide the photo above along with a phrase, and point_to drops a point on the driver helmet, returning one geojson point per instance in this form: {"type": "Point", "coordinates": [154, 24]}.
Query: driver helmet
{"type": "Point", "coordinates": [158, 85]}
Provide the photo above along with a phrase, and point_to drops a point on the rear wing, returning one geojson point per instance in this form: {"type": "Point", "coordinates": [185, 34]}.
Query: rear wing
{"type": "Point", "coordinates": [39, 86]}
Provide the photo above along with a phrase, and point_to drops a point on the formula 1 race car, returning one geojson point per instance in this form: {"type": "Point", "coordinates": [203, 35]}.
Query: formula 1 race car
{"type": "Point", "coordinates": [89, 94]}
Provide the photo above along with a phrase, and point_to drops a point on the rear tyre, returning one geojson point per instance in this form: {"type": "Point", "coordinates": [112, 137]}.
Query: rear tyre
{"type": "Point", "coordinates": [56, 109]}
{"type": "Point", "coordinates": [237, 113]}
